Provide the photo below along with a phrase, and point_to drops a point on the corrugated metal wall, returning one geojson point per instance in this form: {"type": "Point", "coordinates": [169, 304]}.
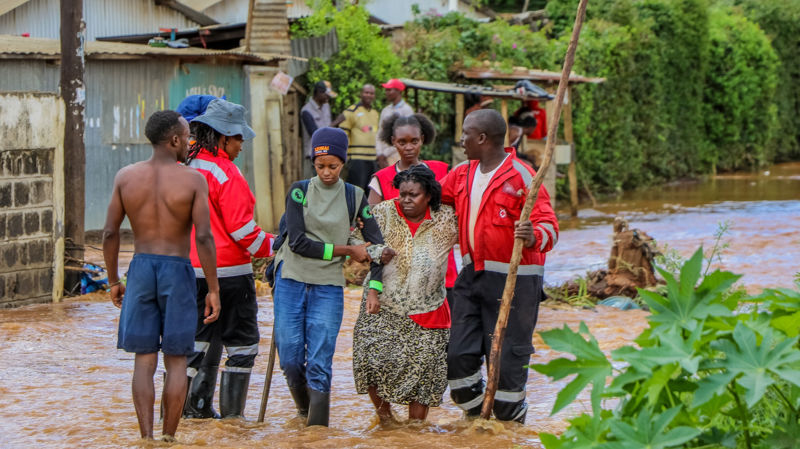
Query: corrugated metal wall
{"type": "Point", "coordinates": [40, 18]}
{"type": "Point", "coordinates": [121, 95]}
{"type": "Point", "coordinates": [29, 76]}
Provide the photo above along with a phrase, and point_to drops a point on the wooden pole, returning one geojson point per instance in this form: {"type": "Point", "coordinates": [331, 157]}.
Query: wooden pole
{"type": "Point", "coordinates": [268, 378]}
{"type": "Point", "coordinates": [73, 91]}
{"type": "Point", "coordinates": [504, 113]}
{"type": "Point", "coordinates": [572, 171]}
{"type": "Point", "coordinates": [533, 192]}
{"type": "Point", "coordinates": [248, 31]}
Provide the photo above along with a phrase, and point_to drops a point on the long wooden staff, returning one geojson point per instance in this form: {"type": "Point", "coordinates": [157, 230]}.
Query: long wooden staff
{"type": "Point", "coordinates": [533, 192]}
{"type": "Point", "coordinates": [268, 378]}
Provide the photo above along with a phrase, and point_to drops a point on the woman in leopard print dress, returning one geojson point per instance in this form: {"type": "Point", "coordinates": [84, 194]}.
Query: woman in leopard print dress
{"type": "Point", "coordinates": [400, 339]}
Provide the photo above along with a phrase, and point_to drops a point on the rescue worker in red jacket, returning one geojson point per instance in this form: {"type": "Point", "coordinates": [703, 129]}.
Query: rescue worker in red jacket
{"type": "Point", "coordinates": [488, 192]}
{"type": "Point", "coordinates": [219, 133]}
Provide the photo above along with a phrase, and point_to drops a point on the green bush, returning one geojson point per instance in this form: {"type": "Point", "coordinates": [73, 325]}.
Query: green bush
{"type": "Point", "coordinates": [780, 20]}
{"type": "Point", "coordinates": [706, 373]}
{"type": "Point", "coordinates": [364, 55]}
{"type": "Point", "coordinates": [740, 116]}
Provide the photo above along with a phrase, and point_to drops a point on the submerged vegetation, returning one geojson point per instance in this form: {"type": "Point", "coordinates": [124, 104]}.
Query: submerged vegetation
{"type": "Point", "coordinates": [706, 373]}
{"type": "Point", "coordinates": [692, 86]}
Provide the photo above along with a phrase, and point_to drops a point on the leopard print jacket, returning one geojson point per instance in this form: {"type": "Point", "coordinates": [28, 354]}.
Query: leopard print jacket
{"type": "Point", "coordinates": [413, 282]}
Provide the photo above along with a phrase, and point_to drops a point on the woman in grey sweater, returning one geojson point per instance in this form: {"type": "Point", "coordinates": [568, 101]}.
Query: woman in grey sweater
{"type": "Point", "coordinates": [308, 295]}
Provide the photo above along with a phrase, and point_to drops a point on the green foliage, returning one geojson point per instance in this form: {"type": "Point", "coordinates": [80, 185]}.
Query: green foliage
{"type": "Point", "coordinates": [692, 86]}
{"type": "Point", "coordinates": [780, 20]}
{"type": "Point", "coordinates": [740, 116]}
{"type": "Point", "coordinates": [706, 373]}
{"type": "Point", "coordinates": [364, 55]}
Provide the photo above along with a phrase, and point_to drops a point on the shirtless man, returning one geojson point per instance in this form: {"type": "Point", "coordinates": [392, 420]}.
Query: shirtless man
{"type": "Point", "coordinates": [163, 200]}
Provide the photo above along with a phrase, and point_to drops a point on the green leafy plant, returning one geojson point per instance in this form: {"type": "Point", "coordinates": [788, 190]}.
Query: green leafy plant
{"type": "Point", "coordinates": [364, 56]}
{"type": "Point", "coordinates": [706, 373]}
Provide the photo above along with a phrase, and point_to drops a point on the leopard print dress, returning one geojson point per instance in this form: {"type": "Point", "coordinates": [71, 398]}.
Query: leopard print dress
{"type": "Point", "coordinates": [403, 360]}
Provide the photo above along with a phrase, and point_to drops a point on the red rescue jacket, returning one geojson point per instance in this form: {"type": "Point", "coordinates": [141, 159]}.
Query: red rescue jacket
{"type": "Point", "coordinates": [231, 205]}
{"type": "Point", "coordinates": [500, 207]}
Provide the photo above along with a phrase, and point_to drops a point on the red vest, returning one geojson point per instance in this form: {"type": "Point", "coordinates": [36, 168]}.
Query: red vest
{"type": "Point", "coordinates": [386, 175]}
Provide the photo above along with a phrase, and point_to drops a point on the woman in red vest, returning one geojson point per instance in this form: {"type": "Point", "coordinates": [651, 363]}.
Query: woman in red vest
{"type": "Point", "coordinates": [408, 134]}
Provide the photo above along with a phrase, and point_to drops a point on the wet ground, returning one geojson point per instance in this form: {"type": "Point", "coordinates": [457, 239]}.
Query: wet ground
{"type": "Point", "coordinates": [63, 383]}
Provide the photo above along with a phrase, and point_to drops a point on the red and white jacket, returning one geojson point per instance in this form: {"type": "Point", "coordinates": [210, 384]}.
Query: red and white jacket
{"type": "Point", "coordinates": [500, 207]}
{"type": "Point", "coordinates": [231, 205]}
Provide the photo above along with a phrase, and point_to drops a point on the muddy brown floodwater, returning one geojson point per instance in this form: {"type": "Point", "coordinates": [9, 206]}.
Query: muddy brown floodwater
{"type": "Point", "coordinates": [64, 384]}
{"type": "Point", "coordinates": [762, 208]}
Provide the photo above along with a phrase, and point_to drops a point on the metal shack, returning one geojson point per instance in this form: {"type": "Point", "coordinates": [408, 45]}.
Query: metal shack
{"type": "Point", "coordinates": [126, 83]}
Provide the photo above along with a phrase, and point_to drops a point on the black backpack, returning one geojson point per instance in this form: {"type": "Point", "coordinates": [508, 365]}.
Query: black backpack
{"type": "Point", "coordinates": [283, 231]}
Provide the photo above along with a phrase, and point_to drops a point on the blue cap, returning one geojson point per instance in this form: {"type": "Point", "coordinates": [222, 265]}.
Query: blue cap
{"type": "Point", "coordinates": [194, 105]}
{"type": "Point", "coordinates": [329, 141]}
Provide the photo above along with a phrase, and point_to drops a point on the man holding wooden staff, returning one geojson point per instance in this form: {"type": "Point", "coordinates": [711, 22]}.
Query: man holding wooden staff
{"type": "Point", "coordinates": [488, 192]}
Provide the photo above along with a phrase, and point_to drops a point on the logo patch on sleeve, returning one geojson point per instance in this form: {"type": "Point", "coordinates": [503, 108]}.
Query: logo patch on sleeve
{"type": "Point", "coordinates": [298, 196]}
{"type": "Point", "coordinates": [365, 213]}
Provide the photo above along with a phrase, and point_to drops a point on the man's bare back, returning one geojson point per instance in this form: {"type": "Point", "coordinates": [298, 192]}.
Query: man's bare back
{"type": "Point", "coordinates": [158, 199]}
{"type": "Point", "coordinates": [163, 200]}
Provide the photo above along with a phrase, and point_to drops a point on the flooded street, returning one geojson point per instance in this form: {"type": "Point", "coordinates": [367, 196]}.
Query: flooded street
{"type": "Point", "coordinates": [763, 210]}
{"type": "Point", "coordinates": [64, 384]}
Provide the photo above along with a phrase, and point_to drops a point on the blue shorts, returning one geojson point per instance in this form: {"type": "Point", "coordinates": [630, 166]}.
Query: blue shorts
{"type": "Point", "coordinates": [159, 309]}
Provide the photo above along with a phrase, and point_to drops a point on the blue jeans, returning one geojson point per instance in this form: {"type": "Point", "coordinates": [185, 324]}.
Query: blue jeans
{"type": "Point", "coordinates": [307, 321]}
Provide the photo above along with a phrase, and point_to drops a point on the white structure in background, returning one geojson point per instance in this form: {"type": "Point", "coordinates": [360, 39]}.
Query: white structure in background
{"type": "Point", "coordinates": [392, 12]}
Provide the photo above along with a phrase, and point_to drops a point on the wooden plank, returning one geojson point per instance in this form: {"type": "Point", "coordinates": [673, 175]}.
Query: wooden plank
{"type": "Point", "coordinates": [456, 158]}
{"type": "Point", "coordinates": [248, 31]}
{"type": "Point", "coordinates": [504, 113]}
{"type": "Point", "coordinates": [572, 171]}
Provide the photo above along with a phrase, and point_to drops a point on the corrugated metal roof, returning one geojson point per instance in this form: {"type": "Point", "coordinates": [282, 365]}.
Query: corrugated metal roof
{"type": "Point", "coordinates": [322, 47]}
{"type": "Point", "coordinates": [526, 74]}
{"type": "Point", "coordinates": [40, 18]}
{"type": "Point", "coordinates": [470, 89]}
{"type": "Point", "coordinates": [12, 47]}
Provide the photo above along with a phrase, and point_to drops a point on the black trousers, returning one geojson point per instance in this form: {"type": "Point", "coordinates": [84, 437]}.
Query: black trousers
{"type": "Point", "coordinates": [475, 306]}
{"type": "Point", "coordinates": [359, 172]}
{"type": "Point", "coordinates": [236, 328]}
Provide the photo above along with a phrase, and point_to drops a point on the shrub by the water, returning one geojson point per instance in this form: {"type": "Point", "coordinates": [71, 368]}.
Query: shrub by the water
{"type": "Point", "coordinates": [708, 372]}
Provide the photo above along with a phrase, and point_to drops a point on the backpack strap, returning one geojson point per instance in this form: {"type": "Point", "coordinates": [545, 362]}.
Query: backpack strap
{"type": "Point", "coordinates": [352, 201]}
{"type": "Point", "coordinates": [283, 228]}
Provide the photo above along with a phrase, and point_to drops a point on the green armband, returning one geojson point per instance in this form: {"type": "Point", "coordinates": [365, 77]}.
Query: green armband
{"type": "Point", "coordinates": [328, 254]}
{"type": "Point", "coordinates": [376, 285]}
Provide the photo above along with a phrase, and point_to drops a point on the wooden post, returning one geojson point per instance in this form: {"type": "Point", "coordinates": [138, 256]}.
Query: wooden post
{"type": "Point", "coordinates": [457, 156]}
{"type": "Point", "coordinates": [504, 113]}
{"type": "Point", "coordinates": [73, 91]}
{"type": "Point", "coordinates": [459, 116]}
{"type": "Point", "coordinates": [516, 254]}
{"type": "Point", "coordinates": [572, 171]}
{"type": "Point", "coordinates": [248, 31]}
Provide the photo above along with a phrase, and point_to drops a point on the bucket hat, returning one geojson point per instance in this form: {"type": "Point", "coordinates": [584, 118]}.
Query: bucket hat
{"type": "Point", "coordinates": [226, 118]}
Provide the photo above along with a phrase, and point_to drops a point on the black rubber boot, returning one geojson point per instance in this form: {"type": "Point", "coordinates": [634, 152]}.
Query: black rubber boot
{"type": "Point", "coordinates": [233, 394]}
{"type": "Point", "coordinates": [319, 408]}
{"type": "Point", "coordinates": [301, 400]}
{"type": "Point", "coordinates": [201, 394]}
